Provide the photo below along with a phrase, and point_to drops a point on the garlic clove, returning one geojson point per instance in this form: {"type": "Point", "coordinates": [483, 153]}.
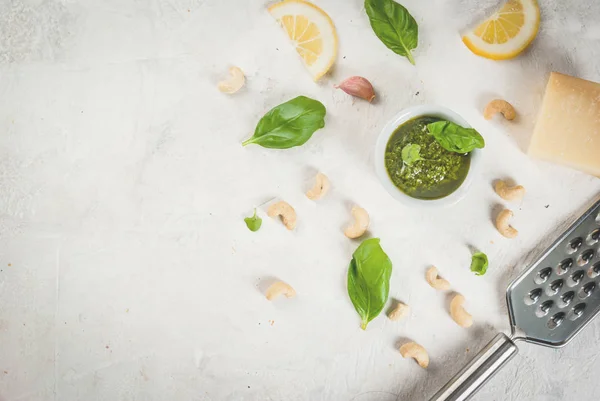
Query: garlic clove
{"type": "Point", "coordinates": [359, 87]}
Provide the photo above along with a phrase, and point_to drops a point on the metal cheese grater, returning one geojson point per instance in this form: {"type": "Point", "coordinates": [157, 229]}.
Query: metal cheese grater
{"type": "Point", "coordinates": [548, 304]}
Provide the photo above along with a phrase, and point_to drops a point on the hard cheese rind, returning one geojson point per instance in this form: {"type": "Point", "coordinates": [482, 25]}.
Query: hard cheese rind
{"type": "Point", "coordinates": [568, 127]}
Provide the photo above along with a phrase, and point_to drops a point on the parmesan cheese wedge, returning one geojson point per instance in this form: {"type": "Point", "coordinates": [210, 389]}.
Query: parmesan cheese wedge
{"type": "Point", "coordinates": [568, 127]}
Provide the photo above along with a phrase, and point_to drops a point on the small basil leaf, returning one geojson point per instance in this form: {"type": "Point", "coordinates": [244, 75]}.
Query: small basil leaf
{"type": "Point", "coordinates": [290, 124]}
{"type": "Point", "coordinates": [411, 153]}
{"type": "Point", "coordinates": [479, 263]}
{"type": "Point", "coordinates": [455, 138]}
{"type": "Point", "coordinates": [394, 26]}
{"type": "Point", "coordinates": [253, 223]}
{"type": "Point", "coordinates": [369, 280]}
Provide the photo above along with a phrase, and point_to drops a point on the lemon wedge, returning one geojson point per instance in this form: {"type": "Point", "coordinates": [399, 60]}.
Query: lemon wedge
{"type": "Point", "coordinates": [506, 33]}
{"type": "Point", "coordinates": [311, 31]}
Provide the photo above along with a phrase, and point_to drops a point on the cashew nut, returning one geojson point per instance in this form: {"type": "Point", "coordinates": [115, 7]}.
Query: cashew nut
{"type": "Point", "coordinates": [458, 313]}
{"type": "Point", "coordinates": [499, 106]}
{"type": "Point", "coordinates": [416, 351]}
{"type": "Point", "coordinates": [509, 193]}
{"type": "Point", "coordinates": [285, 211]}
{"type": "Point", "coordinates": [234, 83]}
{"type": "Point", "coordinates": [278, 288]}
{"type": "Point", "coordinates": [399, 312]}
{"type": "Point", "coordinates": [320, 189]}
{"type": "Point", "coordinates": [435, 281]}
{"type": "Point", "coordinates": [360, 225]}
{"type": "Point", "coordinates": [502, 224]}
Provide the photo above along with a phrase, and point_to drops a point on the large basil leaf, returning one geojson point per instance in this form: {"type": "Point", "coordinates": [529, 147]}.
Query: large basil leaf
{"type": "Point", "coordinates": [455, 138]}
{"type": "Point", "coordinates": [394, 26]}
{"type": "Point", "coordinates": [290, 124]}
{"type": "Point", "coordinates": [369, 280]}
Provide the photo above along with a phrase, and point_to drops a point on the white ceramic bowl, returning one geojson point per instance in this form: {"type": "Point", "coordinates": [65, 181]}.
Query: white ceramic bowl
{"type": "Point", "coordinates": [388, 131]}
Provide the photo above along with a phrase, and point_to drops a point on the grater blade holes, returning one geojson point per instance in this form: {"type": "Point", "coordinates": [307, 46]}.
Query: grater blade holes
{"type": "Point", "coordinates": [586, 290]}
{"type": "Point", "coordinates": [593, 238]}
{"type": "Point", "coordinates": [566, 299]}
{"type": "Point", "coordinates": [575, 278]}
{"type": "Point", "coordinates": [564, 266]}
{"type": "Point", "coordinates": [544, 308]}
{"type": "Point", "coordinates": [574, 245]}
{"type": "Point", "coordinates": [533, 296]}
{"type": "Point", "coordinates": [555, 287]}
{"type": "Point", "coordinates": [543, 275]}
{"type": "Point", "coordinates": [585, 257]}
{"type": "Point", "coordinates": [577, 311]}
{"type": "Point", "coordinates": [594, 271]}
{"type": "Point", "coordinates": [556, 320]}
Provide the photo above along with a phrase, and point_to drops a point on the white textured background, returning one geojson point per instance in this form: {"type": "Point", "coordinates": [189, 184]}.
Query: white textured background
{"type": "Point", "coordinates": [126, 271]}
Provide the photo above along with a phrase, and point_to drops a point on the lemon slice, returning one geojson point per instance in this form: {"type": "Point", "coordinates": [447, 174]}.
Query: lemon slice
{"type": "Point", "coordinates": [506, 33]}
{"type": "Point", "coordinates": [312, 32]}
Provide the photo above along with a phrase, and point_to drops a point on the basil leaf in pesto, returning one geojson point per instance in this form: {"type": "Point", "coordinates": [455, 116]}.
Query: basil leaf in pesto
{"type": "Point", "coordinates": [455, 138]}
{"type": "Point", "coordinates": [369, 280]}
{"type": "Point", "coordinates": [411, 153]}
{"type": "Point", "coordinates": [479, 263]}
{"type": "Point", "coordinates": [253, 223]}
{"type": "Point", "coordinates": [394, 26]}
{"type": "Point", "coordinates": [290, 124]}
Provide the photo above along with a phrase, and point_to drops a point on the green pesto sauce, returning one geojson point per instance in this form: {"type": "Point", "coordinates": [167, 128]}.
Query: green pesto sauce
{"type": "Point", "coordinates": [436, 177]}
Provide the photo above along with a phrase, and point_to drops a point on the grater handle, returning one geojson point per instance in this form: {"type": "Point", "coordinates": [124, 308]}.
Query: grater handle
{"type": "Point", "coordinates": [481, 368]}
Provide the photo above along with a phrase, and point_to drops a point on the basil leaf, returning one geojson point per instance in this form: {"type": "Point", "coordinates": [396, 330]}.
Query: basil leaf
{"type": "Point", "coordinates": [455, 138]}
{"type": "Point", "coordinates": [369, 280]}
{"type": "Point", "coordinates": [290, 124]}
{"type": "Point", "coordinates": [394, 26]}
{"type": "Point", "coordinates": [253, 223]}
{"type": "Point", "coordinates": [411, 153]}
{"type": "Point", "coordinates": [479, 263]}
